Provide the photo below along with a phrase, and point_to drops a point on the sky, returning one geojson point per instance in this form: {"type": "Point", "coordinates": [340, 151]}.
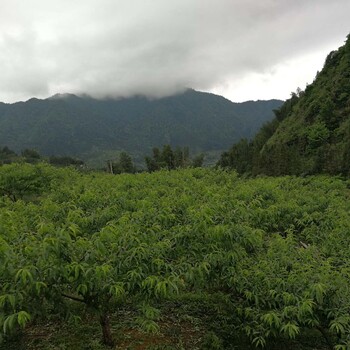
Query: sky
{"type": "Point", "coordinates": [241, 49]}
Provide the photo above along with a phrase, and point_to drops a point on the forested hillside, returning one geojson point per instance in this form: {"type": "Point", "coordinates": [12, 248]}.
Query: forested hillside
{"type": "Point", "coordinates": [93, 129]}
{"type": "Point", "coordinates": [311, 131]}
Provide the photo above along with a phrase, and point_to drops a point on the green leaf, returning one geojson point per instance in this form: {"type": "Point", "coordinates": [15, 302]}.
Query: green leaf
{"type": "Point", "coordinates": [290, 329]}
{"type": "Point", "coordinates": [9, 323]}
{"type": "Point", "coordinates": [259, 341]}
{"type": "Point", "coordinates": [271, 319]}
{"type": "Point", "coordinates": [117, 291]}
{"type": "Point", "coordinates": [24, 275]}
{"type": "Point", "coordinates": [319, 291]}
{"type": "Point", "coordinates": [22, 318]}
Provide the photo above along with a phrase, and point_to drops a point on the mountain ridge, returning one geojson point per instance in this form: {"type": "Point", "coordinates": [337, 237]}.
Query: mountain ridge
{"type": "Point", "coordinates": [85, 127]}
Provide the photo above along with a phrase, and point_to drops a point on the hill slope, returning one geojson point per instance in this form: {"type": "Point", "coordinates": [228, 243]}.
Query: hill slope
{"type": "Point", "coordinates": [84, 127]}
{"type": "Point", "coordinates": [311, 131]}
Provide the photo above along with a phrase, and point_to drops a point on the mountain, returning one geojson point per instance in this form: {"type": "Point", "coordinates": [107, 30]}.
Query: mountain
{"type": "Point", "coordinates": [96, 129]}
{"type": "Point", "coordinates": [311, 131]}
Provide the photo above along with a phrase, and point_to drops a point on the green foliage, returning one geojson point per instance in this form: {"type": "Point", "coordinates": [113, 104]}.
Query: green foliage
{"type": "Point", "coordinates": [317, 134]}
{"type": "Point", "coordinates": [211, 342]}
{"type": "Point", "coordinates": [124, 164]}
{"type": "Point", "coordinates": [198, 161]}
{"type": "Point", "coordinates": [269, 254]}
{"type": "Point", "coordinates": [30, 155]}
{"type": "Point", "coordinates": [65, 161]}
{"type": "Point", "coordinates": [170, 159]}
{"type": "Point", "coordinates": [19, 180]}
{"type": "Point", "coordinates": [7, 156]}
{"type": "Point", "coordinates": [239, 157]}
{"type": "Point", "coordinates": [310, 132]}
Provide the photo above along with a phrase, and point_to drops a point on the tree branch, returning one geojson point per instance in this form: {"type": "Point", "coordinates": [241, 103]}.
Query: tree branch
{"type": "Point", "coordinates": [72, 297]}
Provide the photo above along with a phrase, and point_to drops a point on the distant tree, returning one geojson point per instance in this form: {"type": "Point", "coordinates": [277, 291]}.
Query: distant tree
{"type": "Point", "coordinates": [155, 162]}
{"type": "Point", "coordinates": [164, 159]}
{"type": "Point", "coordinates": [65, 161]}
{"type": "Point", "coordinates": [156, 154]}
{"type": "Point", "coordinates": [317, 134]}
{"type": "Point", "coordinates": [178, 157]}
{"type": "Point", "coordinates": [197, 161]}
{"type": "Point", "coordinates": [8, 151]}
{"type": "Point", "coordinates": [182, 157]}
{"type": "Point", "coordinates": [31, 155]}
{"type": "Point", "coordinates": [151, 164]}
{"type": "Point", "coordinates": [299, 92]}
{"type": "Point", "coordinates": [239, 157]}
{"type": "Point", "coordinates": [326, 112]}
{"type": "Point", "coordinates": [7, 156]}
{"type": "Point", "coordinates": [170, 159]}
{"type": "Point", "coordinates": [124, 164]}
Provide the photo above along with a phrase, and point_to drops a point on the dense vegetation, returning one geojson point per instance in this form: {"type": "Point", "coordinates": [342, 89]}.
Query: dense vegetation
{"type": "Point", "coordinates": [93, 130]}
{"type": "Point", "coordinates": [311, 131]}
{"type": "Point", "coordinates": [232, 262]}
{"type": "Point", "coordinates": [8, 156]}
{"type": "Point", "coordinates": [167, 158]}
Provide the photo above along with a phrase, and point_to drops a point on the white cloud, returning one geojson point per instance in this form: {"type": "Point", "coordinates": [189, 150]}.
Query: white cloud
{"type": "Point", "coordinates": [157, 47]}
{"type": "Point", "coordinates": [278, 81]}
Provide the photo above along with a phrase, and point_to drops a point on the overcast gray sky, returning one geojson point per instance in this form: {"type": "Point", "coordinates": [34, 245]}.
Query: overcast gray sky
{"type": "Point", "coordinates": [242, 49]}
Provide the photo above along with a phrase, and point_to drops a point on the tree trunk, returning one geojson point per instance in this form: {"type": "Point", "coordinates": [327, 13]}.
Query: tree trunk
{"type": "Point", "coordinates": [326, 337]}
{"type": "Point", "coordinates": [106, 330]}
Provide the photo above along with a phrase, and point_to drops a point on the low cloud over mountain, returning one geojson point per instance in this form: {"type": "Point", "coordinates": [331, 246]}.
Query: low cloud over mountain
{"type": "Point", "coordinates": [155, 48]}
